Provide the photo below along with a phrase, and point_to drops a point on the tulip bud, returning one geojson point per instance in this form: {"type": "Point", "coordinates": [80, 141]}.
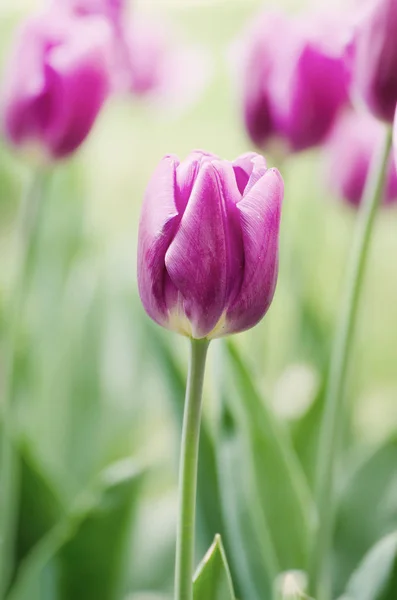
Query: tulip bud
{"type": "Point", "coordinates": [374, 60]}
{"type": "Point", "coordinates": [294, 79]}
{"type": "Point", "coordinates": [349, 151]}
{"type": "Point", "coordinates": [208, 243]}
{"type": "Point", "coordinates": [56, 83]}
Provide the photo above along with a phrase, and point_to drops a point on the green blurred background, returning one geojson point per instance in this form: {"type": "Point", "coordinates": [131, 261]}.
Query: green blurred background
{"type": "Point", "coordinates": [98, 383]}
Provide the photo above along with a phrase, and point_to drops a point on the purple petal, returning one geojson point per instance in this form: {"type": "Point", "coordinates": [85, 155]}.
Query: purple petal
{"type": "Point", "coordinates": [112, 9]}
{"type": "Point", "coordinates": [260, 212]}
{"type": "Point", "coordinates": [349, 152]}
{"type": "Point", "coordinates": [56, 82]}
{"type": "Point", "coordinates": [80, 83]}
{"type": "Point", "coordinates": [159, 67]}
{"type": "Point", "coordinates": [25, 102]}
{"type": "Point", "coordinates": [375, 58]}
{"type": "Point", "coordinates": [243, 167]}
{"type": "Point", "coordinates": [186, 175]}
{"type": "Point", "coordinates": [309, 95]}
{"type": "Point", "coordinates": [197, 259]}
{"type": "Point", "coordinates": [159, 220]}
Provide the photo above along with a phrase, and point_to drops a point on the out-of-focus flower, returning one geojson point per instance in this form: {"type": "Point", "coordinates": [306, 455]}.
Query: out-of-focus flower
{"type": "Point", "coordinates": [150, 61]}
{"type": "Point", "coordinates": [208, 243]}
{"type": "Point", "coordinates": [112, 9]}
{"type": "Point", "coordinates": [160, 67]}
{"type": "Point", "coordinates": [374, 60]}
{"type": "Point", "coordinates": [293, 77]}
{"type": "Point", "coordinates": [349, 151]}
{"type": "Point", "coordinates": [56, 83]}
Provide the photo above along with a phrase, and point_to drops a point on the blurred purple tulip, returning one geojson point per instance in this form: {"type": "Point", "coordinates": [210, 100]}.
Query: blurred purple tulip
{"type": "Point", "coordinates": [112, 9]}
{"type": "Point", "coordinates": [374, 60]}
{"type": "Point", "coordinates": [56, 83]}
{"type": "Point", "coordinates": [349, 152]}
{"type": "Point", "coordinates": [208, 243]}
{"type": "Point", "coordinates": [150, 61]}
{"type": "Point", "coordinates": [158, 66]}
{"type": "Point", "coordinates": [294, 78]}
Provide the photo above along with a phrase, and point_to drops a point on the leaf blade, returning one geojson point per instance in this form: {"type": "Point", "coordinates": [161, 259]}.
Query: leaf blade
{"type": "Point", "coordinates": [213, 580]}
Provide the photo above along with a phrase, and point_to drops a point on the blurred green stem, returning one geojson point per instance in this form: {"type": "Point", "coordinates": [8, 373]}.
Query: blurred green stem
{"type": "Point", "coordinates": [27, 228]}
{"type": "Point", "coordinates": [332, 419]}
{"type": "Point", "coordinates": [188, 472]}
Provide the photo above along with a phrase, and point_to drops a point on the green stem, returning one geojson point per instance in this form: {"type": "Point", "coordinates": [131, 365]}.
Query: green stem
{"type": "Point", "coordinates": [29, 218]}
{"type": "Point", "coordinates": [332, 419]}
{"type": "Point", "coordinates": [188, 472]}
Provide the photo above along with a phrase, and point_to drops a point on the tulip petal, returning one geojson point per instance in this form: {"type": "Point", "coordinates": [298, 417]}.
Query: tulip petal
{"type": "Point", "coordinates": [186, 175]}
{"type": "Point", "coordinates": [159, 220]}
{"type": "Point", "coordinates": [80, 83]}
{"type": "Point", "coordinates": [25, 102]}
{"type": "Point", "coordinates": [318, 88]}
{"type": "Point", "coordinates": [243, 167]}
{"type": "Point", "coordinates": [260, 211]}
{"type": "Point", "coordinates": [375, 58]}
{"type": "Point", "coordinates": [197, 259]}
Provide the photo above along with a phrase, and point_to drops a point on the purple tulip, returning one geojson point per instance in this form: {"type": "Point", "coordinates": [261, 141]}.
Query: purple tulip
{"type": "Point", "coordinates": [208, 243]}
{"type": "Point", "coordinates": [374, 61]}
{"type": "Point", "coordinates": [56, 83]}
{"type": "Point", "coordinates": [349, 151]}
{"type": "Point", "coordinates": [157, 65]}
{"type": "Point", "coordinates": [294, 79]}
{"type": "Point", "coordinates": [112, 9]}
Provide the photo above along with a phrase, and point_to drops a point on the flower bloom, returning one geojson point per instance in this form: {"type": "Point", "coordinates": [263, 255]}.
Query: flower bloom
{"type": "Point", "coordinates": [208, 243]}
{"type": "Point", "coordinates": [112, 9]}
{"type": "Point", "coordinates": [56, 83]}
{"type": "Point", "coordinates": [294, 79]}
{"type": "Point", "coordinates": [374, 59]}
{"type": "Point", "coordinates": [160, 67]}
{"type": "Point", "coordinates": [149, 60]}
{"type": "Point", "coordinates": [349, 151]}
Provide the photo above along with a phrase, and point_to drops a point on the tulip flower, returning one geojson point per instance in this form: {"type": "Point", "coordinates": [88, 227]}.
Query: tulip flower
{"type": "Point", "coordinates": [294, 79]}
{"type": "Point", "coordinates": [374, 59]}
{"type": "Point", "coordinates": [112, 9]}
{"type": "Point", "coordinates": [349, 151]}
{"type": "Point", "coordinates": [149, 61]}
{"type": "Point", "coordinates": [208, 243]}
{"type": "Point", "coordinates": [56, 83]}
{"type": "Point", "coordinates": [155, 64]}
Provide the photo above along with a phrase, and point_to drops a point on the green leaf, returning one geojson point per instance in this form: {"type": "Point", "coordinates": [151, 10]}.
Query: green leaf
{"type": "Point", "coordinates": [376, 577]}
{"type": "Point", "coordinates": [367, 510]}
{"type": "Point", "coordinates": [212, 580]}
{"type": "Point", "coordinates": [40, 506]}
{"type": "Point", "coordinates": [281, 489]}
{"type": "Point", "coordinates": [92, 562]}
{"type": "Point", "coordinates": [83, 554]}
{"type": "Point", "coordinates": [250, 575]}
{"type": "Point", "coordinates": [305, 436]}
{"type": "Point", "coordinates": [148, 596]}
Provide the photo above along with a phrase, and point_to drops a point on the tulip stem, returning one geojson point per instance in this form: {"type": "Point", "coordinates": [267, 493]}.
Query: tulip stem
{"type": "Point", "coordinates": [332, 418]}
{"type": "Point", "coordinates": [188, 472]}
{"type": "Point", "coordinates": [27, 229]}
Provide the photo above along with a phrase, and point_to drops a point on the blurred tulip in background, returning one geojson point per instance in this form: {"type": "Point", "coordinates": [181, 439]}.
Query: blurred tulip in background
{"type": "Point", "coordinates": [56, 83]}
{"type": "Point", "coordinates": [374, 58]}
{"type": "Point", "coordinates": [348, 154]}
{"type": "Point", "coordinates": [293, 76]}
